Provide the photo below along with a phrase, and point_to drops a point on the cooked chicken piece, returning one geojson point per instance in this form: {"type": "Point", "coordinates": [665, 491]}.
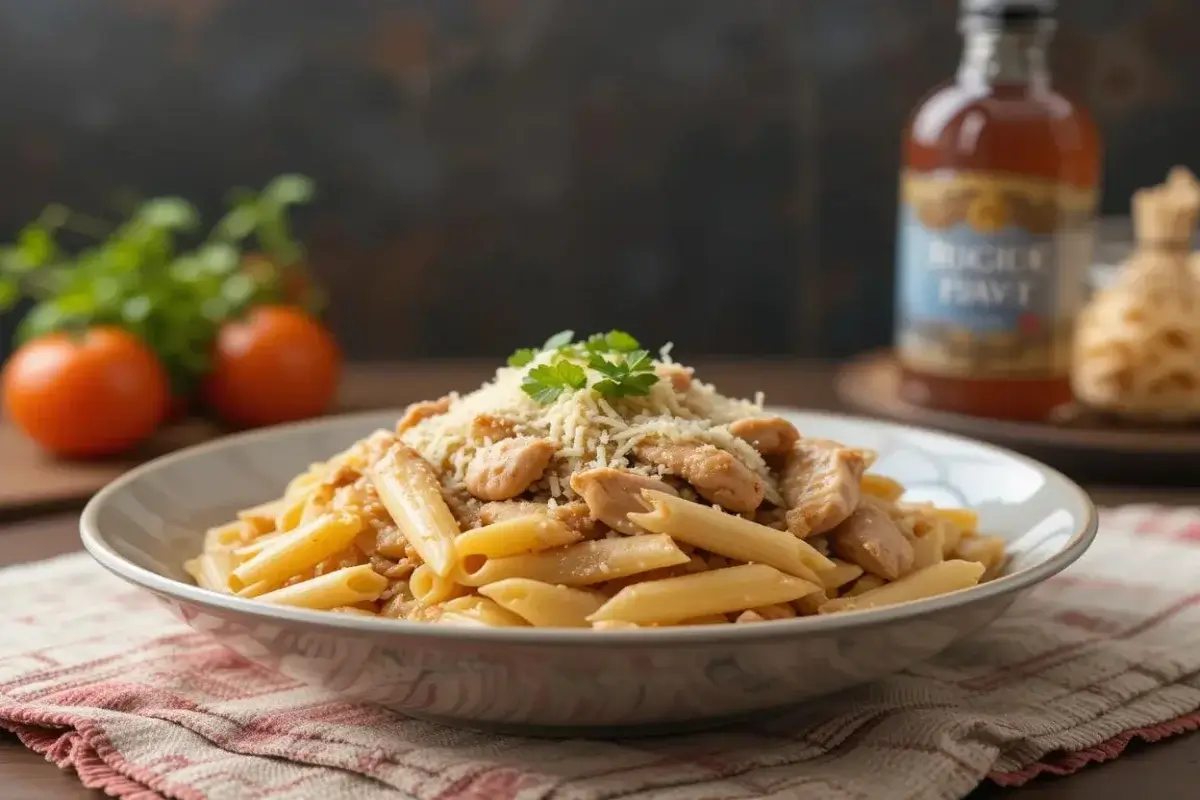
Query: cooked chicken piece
{"type": "Point", "coordinates": [772, 517]}
{"type": "Point", "coordinates": [505, 469]}
{"type": "Point", "coordinates": [870, 539]}
{"type": "Point", "coordinates": [610, 494]}
{"type": "Point", "coordinates": [487, 426]}
{"type": "Point", "coordinates": [820, 484]}
{"type": "Point", "coordinates": [463, 507]}
{"type": "Point", "coordinates": [680, 377]}
{"type": "Point", "coordinates": [390, 569]}
{"type": "Point", "coordinates": [716, 474]}
{"type": "Point", "coordinates": [578, 517]}
{"type": "Point", "coordinates": [419, 412]}
{"type": "Point", "coordinates": [771, 436]}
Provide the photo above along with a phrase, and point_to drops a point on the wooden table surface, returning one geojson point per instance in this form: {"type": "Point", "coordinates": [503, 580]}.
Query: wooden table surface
{"type": "Point", "coordinates": [39, 498]}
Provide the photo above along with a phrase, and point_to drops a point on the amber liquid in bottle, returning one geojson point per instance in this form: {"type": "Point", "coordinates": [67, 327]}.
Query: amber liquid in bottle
{"type": "Point", "coordinates": [997, 128]}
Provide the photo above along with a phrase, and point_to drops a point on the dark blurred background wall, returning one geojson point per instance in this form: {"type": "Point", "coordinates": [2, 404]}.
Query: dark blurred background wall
{"type": "Point", "coordinates": [717, 172]}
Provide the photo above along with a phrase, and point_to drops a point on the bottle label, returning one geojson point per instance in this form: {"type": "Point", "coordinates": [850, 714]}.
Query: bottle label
{"type": "Point", "coordinates": [991, 273]}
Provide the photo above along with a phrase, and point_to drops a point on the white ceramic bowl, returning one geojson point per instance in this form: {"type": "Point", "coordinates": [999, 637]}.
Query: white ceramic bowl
{"type": "Point", "coordinates": [586, 682]}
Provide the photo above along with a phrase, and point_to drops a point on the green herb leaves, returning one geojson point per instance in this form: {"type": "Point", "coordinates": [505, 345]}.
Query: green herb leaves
{"type": "Point", "coordinates": [546, 382]}
{"type": "Point", "coordinates": [153, 275]}
{"type": "Point", "coordinates": [630, 375]}
{"type": "Point", "coordinates": [611, 342]}
{"type": "Point", "coordinates": [522, 357]}
{"type": "Point", "coordinates": [620, 367]}
{"type": "Point", "coordinates": [559, 340]}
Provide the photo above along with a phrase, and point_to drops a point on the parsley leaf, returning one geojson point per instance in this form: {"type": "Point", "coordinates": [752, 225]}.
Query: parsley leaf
{"type": "Point", "coordinates": [546, 382]}
{"type": "Point", "coordinates": [630, 375]}
{"type": "Point", "coordinates": [621, 342]}
{"type": "Point", "coordinates": [604, 366]}
{"type": "Point", "coordinates": [522, 357]}
{"type": "Point", "coordinates": [611, 342]}
{"type": "Point", "coordinates": [558, 340]}
{"type": "Point", "coordinates": [639, 361]}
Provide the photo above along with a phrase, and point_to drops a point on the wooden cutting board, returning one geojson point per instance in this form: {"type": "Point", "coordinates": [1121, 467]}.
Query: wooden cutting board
{"type": "Point", "coordinates": [32, 481]}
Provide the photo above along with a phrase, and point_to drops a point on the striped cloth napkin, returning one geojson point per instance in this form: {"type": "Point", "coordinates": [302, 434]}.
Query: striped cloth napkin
{"type": "Point", "coordinates": [97, 677]}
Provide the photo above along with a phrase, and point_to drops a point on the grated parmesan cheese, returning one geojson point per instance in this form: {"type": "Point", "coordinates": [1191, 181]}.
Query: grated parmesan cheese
{"type": "Point", "coordinates": [588, 430]}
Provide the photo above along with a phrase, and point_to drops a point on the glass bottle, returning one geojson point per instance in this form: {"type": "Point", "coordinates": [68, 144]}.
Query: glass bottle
{"type": "Point", "coordinates": [998, 193]}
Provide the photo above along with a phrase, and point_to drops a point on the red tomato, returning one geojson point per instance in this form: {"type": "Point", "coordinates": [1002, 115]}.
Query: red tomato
{"type": "Point", "coordinates": [95, 394]}
{"type": "Point", "coordinates": [276, 365]}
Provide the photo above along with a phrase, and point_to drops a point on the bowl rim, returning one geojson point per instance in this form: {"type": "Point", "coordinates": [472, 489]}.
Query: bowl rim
{"type": "Point", "coordinates": [96, 545]}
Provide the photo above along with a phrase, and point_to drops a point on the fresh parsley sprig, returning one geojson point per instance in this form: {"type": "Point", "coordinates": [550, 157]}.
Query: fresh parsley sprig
{"type": "Point", "coordinates": [544, 383]}
{"type": "Point", "coordinates": [630, 375]}
{"type": "Point", "coordinates": [525, 355]}
{"type": "Point", "coordinates": [625, 369]}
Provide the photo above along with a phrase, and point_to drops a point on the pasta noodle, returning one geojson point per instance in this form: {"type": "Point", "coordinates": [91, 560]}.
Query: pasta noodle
{"type": "Point", "coordinates": [943, 577]}
{"type": "Point", "coordinates": [715, 592]}
{"type": "Point", "coordinates": [582, 564]}
{"type": "Point", "coordinates": [410, 493]}
{"type": "Point", "coordinates": [300, 548]}
{"type": "Point", "coordinates": [591, 486]}
{"type": "Point", "coordinates": [730, 536]}
{"type": "Point", "coordinates": [881, 487]}
{"type": "Point", "coordinates": [429, 587]}
{"type": "Point", "coordinates": [481, 612]}
{"type": "Point", "coordinates": [342, 587]}
{"type": "Point", "coordinates": [544, 605]}
{"type": "Point", "coordinates": [514, 537]}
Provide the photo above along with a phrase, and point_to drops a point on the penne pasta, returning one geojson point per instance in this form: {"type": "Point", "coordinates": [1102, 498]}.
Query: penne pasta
{"type": "Point", "coordinates": [409, 491]}
{"type": "Point", "coordinates": [513, 537]}
{"type": "Point", "coordinates": [946, 576]}
{"type": "Point", "coordinates": [430, 588]}
{"type": "Point", "coordinates": [299, 549]}
{"type": "Point", "coordinates": [544, 605]}
{"type": "Point", "coordinates": [262, 517]}
{"type": "Point", "coordinates": [929, 548]}
{"type": "Point", "coordinates": [733, 537]}
{"type": "Point", "coordinates": [290, 513]}
{"type": "Point", "coordinates": [987, 550]}
{"type": "Point", "coordinates": [722, 591]}
{"type": "Point", "coordinates": [951, 536]}
{"type": "Point", "coordinates": [211, 570]}
{"type": "Point", "coordinates": [776, 611]}
{"type": "Point", "coordinates": [256, 589]}
{"type": "Point", "coordinates": [316, 503]}
{"type": "Point", "coordinates": [811, 603]}
{"type": "Point", "coordinates": [581, 564]}
{"type": "Point", "coordinates": [864, 584]}
{"type": "Point", "coordinates": [300, 485]}
{"type": "Point", "coordinates": [479, 611]}
{"type": "Point", "coordinates": [566, 493]}
{"type": "Point", "coordinates": [342, 587]}
{"type": "Point", "coordinates": [614, 625]}
{"type": "Point", "coordinates": [881, 487]}
{"type": "Point", "coordinates": [964, 519]}
{"type": "Point", "coordinates": [229, 536]}
{"type": "Point", "coordinates": [843, 572]}
{"type": "Point", "coordinates": [257, 546]}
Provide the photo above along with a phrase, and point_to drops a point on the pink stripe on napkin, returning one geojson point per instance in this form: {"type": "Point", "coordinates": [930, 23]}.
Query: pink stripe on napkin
{"type": "Point", "coordinates": [98, 678]}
